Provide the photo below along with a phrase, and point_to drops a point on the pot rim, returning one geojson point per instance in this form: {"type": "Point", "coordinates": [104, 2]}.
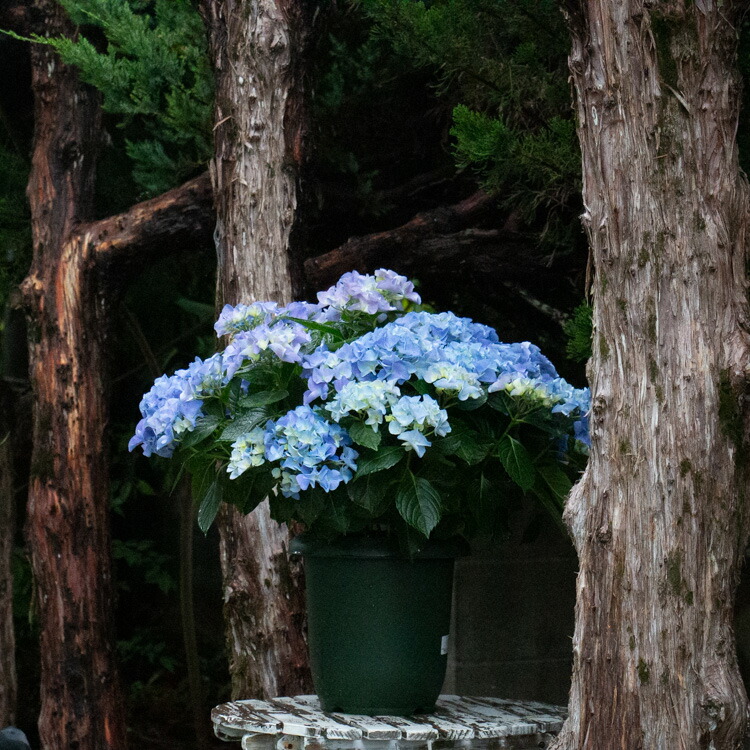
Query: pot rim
{"type": "Point", "coordinates": [375, 546]}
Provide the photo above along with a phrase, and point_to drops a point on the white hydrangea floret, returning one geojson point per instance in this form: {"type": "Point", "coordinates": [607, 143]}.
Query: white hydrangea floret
{"type": "Point", "coordinates": [371, 399]}
{"type": "Point", "coordinates": [247, 451]}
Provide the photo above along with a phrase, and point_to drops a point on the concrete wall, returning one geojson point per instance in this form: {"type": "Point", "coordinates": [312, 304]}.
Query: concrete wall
{"type": "Point", "coordinates": [513, 618]}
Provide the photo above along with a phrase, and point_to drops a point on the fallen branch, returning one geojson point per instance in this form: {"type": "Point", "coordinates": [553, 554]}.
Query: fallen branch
{"type": "Point", "coordinates": [441, 245]}
{"type": "Point", "coordinates": [167, 223]}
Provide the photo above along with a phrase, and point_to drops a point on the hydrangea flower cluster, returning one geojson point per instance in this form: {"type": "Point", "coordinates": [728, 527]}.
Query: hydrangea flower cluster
{"type": "Point", "coordinates": [386, 291]}
{"type": "Point", "coordinates": [175, 403]}
{"type": "Point", "coordinates": [309, 450]}
{"type": "Point", "coordinates": [369, 361]}
{"type": "Point", "coordinates": [410, 418]}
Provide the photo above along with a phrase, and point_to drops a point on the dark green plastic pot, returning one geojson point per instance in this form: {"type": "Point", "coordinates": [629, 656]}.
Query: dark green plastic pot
{"type": "Point", "coordinates": [377, 623]}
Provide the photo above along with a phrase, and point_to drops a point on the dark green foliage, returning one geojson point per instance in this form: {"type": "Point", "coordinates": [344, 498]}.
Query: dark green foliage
{"type": "Point", "coordinates": [503, 64]}
{"type": "Point", "coordinates": [153, 71]}
{"type": "Point", "coordinates": [579, 330]}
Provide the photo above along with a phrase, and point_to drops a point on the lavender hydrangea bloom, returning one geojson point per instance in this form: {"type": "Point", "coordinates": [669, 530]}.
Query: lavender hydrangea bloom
{"type": "Point", "coordinates": [284, 339]}
{"type": "Point", "coordinates": [384, 292]}
{"type": "Point", "coordinates": [234, 319]}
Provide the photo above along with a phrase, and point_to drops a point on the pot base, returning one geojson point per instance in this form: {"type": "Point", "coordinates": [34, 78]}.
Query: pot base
{"type": "Point", "coordinates": [377, 627]}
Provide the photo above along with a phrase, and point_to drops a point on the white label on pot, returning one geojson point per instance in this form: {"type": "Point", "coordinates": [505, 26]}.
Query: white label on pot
{"type": "Point", "coordinates": [444, 645]}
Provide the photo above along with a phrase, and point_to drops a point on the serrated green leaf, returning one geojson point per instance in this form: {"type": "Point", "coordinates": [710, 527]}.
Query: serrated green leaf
{"type": "Point", "coordinates": [483, 499]}
{"type": "Point", "coordinates": [210, 505]}
{"type": "Point", "coordinates": [517, 462]}
{"type": "Point", "coordinates": [363, 434]}
{"type": "Point", "coordinates": [310, 506]}
{"type": "Point", "coordinates": [369, 492]}
{"type": "Point", "coordinates": [420, 387]}
{"type": "Point", "coordinates": [472, 403]}
{"type": "Point", "coordinates": [385, 458]}
{"type": "Point", "coordinates": [320, 327]}
{"type": "Point", "coordinates": [334, 514]}
{"type": "Point", "coordinates": [543, 420]}
{"type": "Point", "coordinates": [201, 310]}
{"type": "Point", "coordinates": [419, 503]}
{"type": "Point", "coordinates": [557, 480]}
{"type": "Point", "coordinates": [202, 474]}
{"type": "Point", "coordinates": [262, 398]}
{"type": "Point", "coordinates": [500, 401]}
{"type": "Point", "coordinates": [465, 443]}
{"type": "Point", "coordinates": [551, 505]}
{"type": "Point", "coordinates": [203, 428]}
{"type": "Point", "coordinates": [244, 423]}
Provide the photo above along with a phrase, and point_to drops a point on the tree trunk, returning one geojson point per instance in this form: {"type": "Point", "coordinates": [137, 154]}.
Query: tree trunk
{"type": "Point", "coordinates": [8, 682]}
{"type": "Point", "coordinates": [67, 518]}
{"type": "Point", "coordinates": [257, 50]}
{"type": "Point", "coordinates": [660, 516]}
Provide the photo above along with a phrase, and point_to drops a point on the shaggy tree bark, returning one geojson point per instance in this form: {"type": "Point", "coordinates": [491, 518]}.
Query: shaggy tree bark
{"type": "Point", "coordinates": [74, 270]}
{"type": "Point", "coordinates": [8, 682]}
{"type": "Point", "coordinates": [67, 517]}
{"type": "Point", "coordinates": [660, 517]}
{"type": "Point", "coordinates": [257, 50]}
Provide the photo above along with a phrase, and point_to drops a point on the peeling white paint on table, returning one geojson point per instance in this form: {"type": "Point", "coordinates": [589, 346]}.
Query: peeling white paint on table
{"type": "Point", "coordinates": [458, 723]}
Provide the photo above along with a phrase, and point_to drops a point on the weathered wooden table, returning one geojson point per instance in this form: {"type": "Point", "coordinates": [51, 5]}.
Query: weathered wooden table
{"type": "Point", "coordinates": [457, 723]}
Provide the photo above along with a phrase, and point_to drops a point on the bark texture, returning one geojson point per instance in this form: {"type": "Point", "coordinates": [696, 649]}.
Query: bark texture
{"type": "Point", "coordinates": [8, 680]}
{"type": "Point", "coordinates": [257, 49]}
{"type": "Point", "coordinates": [76, 269]}
{"type": "Point", "coordinates": [67, 517]}
{"type": "Point", "coordinates": [432, 238]}
{"type": "Point", "coordinates": [660, 518]}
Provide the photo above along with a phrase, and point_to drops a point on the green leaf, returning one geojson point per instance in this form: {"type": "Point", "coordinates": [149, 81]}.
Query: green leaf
{"type": "Point", "coordinates": [262, 398]}
{"type": "Point", "coordinates": [419, 503]}
{"type": "Point", "coordinates": [501, 402]}
{"type": "Point", "coordinates": [200, 309]}
{"type": "Point", "coordinates": [244, 492]}
{"type": "Point", "coordinates": [203, 428]}
{"type": "Point", "coordinates": [472, 403]}
{"type": "Point", "coordinates": [551, 505]}
{"type": "Point", "coordinates": [543, 420]}
{"type": "Point", "coordinates": [311, 505]}
{"type": "Point", "coordinates": [557, 480]}
{"type": "Point", "coordinates": [334, 514]}
{"type": "Point", "coordinates": [465, 443]}
{"type": "Point", "coordinates": [369, 492]}
{"type": "Point", "coordinates": [210, 506]}
{"type": "Point", "coordinates": [243, 423]}
{"type": "Point", "coordinates": [420, 387]}
{"type": "Point", "coordinates": [202, 472]}
{"type": "Point", "coordinates": [483, 500]}
{"type": "Point", "coordinates": [385, 458]}
{"type": "Point", "coordinates": [313, 326]}
{"type": "Point", "coordinates": [517, 462]}
{"type": "Point", "coordinates": [363, 434]}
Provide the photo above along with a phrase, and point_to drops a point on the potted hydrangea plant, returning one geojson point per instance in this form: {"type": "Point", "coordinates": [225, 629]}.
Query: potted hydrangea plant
{"type": "Point", "coordinates": [388, 432]}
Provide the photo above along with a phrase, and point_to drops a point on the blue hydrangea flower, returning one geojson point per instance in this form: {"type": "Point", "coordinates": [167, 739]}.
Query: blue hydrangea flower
{"type": "Point", "coordinates": [413, 416]}
{"type": "Point", "coordinates": [450, 378]}
{"type": "Point", "coordinates": [174, 404]}
{"type": "Point", "coordinates": [310, 451]}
